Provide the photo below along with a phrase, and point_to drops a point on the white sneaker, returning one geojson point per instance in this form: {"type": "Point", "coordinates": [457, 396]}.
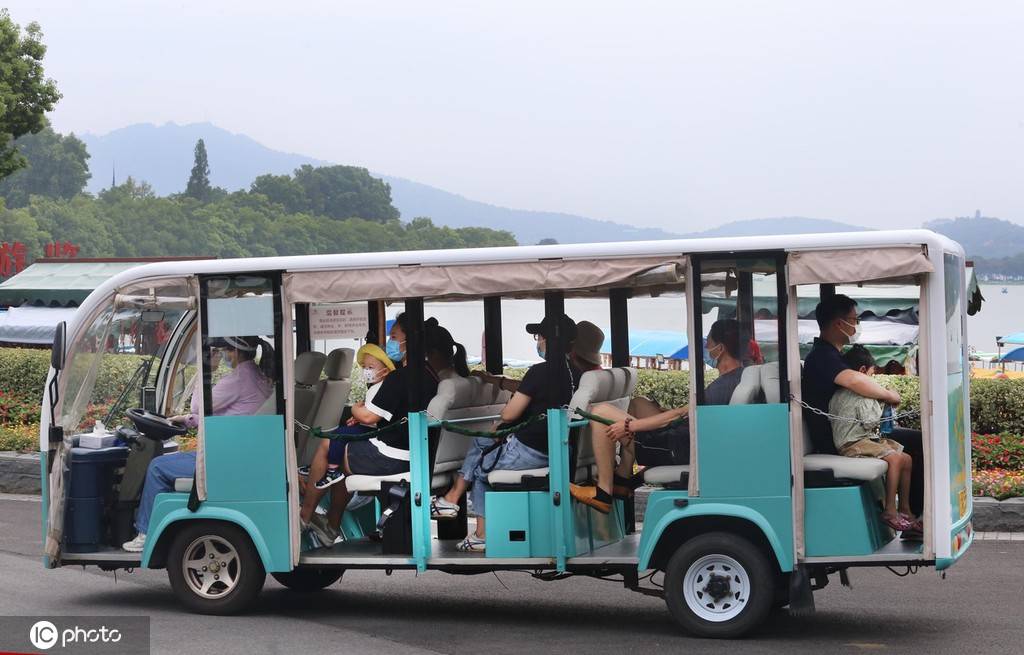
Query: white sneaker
{"type": "Point", "coordinates": [136, 545]}
{"type": "Point", "coordinates": [442, 509]}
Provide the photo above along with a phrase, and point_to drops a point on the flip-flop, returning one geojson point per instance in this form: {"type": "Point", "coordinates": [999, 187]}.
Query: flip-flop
{"type": "Point", "coordinates": [897, 523]}
{"type": "Point", "coordinates": [589, 496]}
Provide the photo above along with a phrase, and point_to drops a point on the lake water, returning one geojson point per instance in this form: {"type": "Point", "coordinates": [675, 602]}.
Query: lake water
{"type": "Point", "coordinates": [1000, 314]}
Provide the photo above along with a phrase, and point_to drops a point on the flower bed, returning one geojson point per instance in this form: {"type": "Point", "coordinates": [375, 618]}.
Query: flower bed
{"type": "Point", "coordinates": [999, 483]}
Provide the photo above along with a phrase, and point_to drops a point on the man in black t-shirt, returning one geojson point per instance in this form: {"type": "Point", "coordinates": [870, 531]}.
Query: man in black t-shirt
{"type": "Point", "coordinates": [825, 371]}
{"type": "Point", "coordinates": [547, 385]}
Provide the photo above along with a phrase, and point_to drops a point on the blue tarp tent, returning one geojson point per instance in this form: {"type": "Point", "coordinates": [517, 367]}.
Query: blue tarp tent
{"type": "Point", "coordinates": [1016, 355]}
{"type": "Point", "coordinates": [651, 343]}
{"type": "Point", "coordinates": [1015, 338]}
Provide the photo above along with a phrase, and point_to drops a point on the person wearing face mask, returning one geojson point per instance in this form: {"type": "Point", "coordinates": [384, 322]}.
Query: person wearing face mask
{"type": "Point", "coordinates": [825, 372]}
{"type": "Point", "coordinates": [650, 435]}
{"type": "Point", "coordinates": [388, 403]}
{"type": "Point", "coordinates": [242, 391]}
{"type": "Point", "coordinates": [375, 365]}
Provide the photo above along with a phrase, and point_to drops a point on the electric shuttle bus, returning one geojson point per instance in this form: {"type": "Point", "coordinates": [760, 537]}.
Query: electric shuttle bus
{"type": "Point", "coordinates": [756, 519]}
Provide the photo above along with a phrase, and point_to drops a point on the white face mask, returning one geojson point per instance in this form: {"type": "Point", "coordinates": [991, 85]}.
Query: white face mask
{"type": "Point", "coordinates": [855, 335]}
{"type": "Point", "coordinates": [369, 375]}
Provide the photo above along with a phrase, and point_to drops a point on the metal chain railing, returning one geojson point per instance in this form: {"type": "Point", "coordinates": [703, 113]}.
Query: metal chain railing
{"type": "Point", "coordinates": [849, 419]}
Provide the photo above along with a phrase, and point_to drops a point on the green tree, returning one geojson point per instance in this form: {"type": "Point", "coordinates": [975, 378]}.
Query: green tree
{"type": "Point", "coordinates": [199, 181]}
{"type": "Point", "coordinates": [57, 168]}
{"type": "Point", "coordinates": [547, 241]}
{"type": "Point", "coordinates": [345, 192]}
{"type": "Point", "coordinates": [282, 190]}
{"type": "Point", "coordinates": [25, 93]}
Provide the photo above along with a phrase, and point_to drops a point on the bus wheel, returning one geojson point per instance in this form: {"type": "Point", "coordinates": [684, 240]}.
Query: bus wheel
{"type": "Point", "coordinates": [719, 585]}
{"type": "Point", "coordinates": [214, 568]}
{"type": "Point", "coordinates": [309, 580]}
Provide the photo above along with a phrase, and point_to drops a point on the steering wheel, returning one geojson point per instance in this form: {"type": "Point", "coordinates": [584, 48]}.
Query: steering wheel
{"type": "Point", "coordinates": [155, 426]}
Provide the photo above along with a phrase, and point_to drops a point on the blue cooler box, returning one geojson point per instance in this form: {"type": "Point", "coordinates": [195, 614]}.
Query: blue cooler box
{"type": "Point", "coordinates": [90, 493]}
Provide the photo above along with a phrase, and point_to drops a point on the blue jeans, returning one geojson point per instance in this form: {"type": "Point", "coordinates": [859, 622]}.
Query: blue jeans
{"type": "Point", "coordinates": [160, 476]}
{"type": "Point", "coordinates": [514, 455]}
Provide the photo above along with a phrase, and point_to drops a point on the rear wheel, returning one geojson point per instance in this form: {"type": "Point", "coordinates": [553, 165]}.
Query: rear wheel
{"type": "Point", "coordinates": [214, 568]}
{"type": "Point", "coordinates": [719, 585]}
{"type": "Point", "coordinates": [309, 580]}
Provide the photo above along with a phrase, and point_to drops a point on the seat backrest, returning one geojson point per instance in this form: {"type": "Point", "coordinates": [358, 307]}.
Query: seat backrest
{"type": "Point", "coordinates": [333, 396]}
{"type": "Point", "coordinates": [614, 386]}
{"type": "Point", "coordinates": [308, 367]}
{"type": "Point", "coordinates": [340, 362]}
{"type": "Point", "coordinates": [770, 382]}
{"type": "Point", "coordinates": [748, 391]}
{"type": "Point", "coordinates": [459, 398]}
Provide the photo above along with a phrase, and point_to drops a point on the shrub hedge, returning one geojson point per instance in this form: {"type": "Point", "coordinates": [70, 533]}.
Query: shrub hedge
{"type": "Point", "coordinates": [996, 405]}
{"type": "Point", "coordinates": [23, 373]}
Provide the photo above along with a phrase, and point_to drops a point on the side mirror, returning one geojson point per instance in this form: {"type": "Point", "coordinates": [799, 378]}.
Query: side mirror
{"type": "Point", "coordinates": [57, 352]}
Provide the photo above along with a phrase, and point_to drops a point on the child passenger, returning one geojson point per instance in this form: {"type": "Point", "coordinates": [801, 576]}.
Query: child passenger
{"type": "Point", "coordinates": [861, 438]}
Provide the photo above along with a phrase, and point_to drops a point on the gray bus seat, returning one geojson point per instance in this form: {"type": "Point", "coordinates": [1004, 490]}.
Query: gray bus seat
{"type": "Point", "coordinates": [832, 470]}
{"type": "Point", "coordinates": [183, 485]}
{"type": "Point", "coordinates": [457, 398]}
{"type": "Point", "coordinates": [333, 393]}
{"type": "Point", "coordinates": [614, 386]}
{"type": "Point", "coordinates": [308, 367]}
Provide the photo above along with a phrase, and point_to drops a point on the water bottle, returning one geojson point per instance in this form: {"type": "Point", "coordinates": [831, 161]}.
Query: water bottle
{"type": "Point", "coordinates": [886, 426]}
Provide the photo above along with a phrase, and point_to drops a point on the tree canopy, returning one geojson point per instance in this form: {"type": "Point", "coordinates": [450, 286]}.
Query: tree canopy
{"type": "Point", "coordinates": [57, 167]}
{"type": "Point", "coordinates": [26, 94]}
{"type": "Point", "coordinates": [338, 192]}
{"type": "Point", "coordinates": [199, 181]}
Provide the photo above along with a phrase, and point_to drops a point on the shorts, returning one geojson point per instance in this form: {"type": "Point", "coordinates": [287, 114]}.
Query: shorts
{"type": "Point", "coordinates": [878, 448]}
{"type": "Point", "coordinates": [365, 459]}
{"type": "Point", "coordinates": [336, 449]}
{"type": "Point", "coordinates": [667, 446]}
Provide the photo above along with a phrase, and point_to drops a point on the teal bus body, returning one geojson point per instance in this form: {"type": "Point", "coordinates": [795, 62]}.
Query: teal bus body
{"type": "Point", "coordinates": [246, 485]}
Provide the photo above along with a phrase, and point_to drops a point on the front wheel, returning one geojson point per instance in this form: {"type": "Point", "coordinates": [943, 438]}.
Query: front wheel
{"type": "Point", "coordinates": [309, 580]}
{"type": "Point", "coordinates": [719, 585]}
{"type": "Point", "coordinates": [214, 568]}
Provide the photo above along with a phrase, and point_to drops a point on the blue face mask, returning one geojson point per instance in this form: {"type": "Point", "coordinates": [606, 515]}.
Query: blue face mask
{"type": "Point", "coordinates": [394, 349]}
{"type": "Point", "coordinates": [540, 351]}
{"type": "Point", "coordinates": [711, 360]}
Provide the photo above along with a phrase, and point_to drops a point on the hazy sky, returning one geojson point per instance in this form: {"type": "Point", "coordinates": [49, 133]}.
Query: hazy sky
{"type": "Point", "coordinates": [670, 114]}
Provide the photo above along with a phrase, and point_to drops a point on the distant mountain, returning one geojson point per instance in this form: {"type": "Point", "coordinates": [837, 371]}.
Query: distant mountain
{"type": "Point", "coordinates": [415, 199]}
{"type": "Point", "coordinates": [163, 155]}
{"type": "Point", "coordinates": [780, 225]}
{"type": "Point", "coordinates": [982, 236]}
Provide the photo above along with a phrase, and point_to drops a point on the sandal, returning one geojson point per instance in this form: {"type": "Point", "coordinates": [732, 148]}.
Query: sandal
{"type": "Point", "coordinates": [592, 497]}
{"type": "Point", "coordinates": [624, 487]}
{"type": "Point", "coordinates": [471, 544]}
{"type": "Point", "coordinates": [898, 522]}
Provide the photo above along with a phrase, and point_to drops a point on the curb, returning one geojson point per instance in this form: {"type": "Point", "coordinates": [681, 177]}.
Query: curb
{"type": "Point", "coordinates": [19, 473]}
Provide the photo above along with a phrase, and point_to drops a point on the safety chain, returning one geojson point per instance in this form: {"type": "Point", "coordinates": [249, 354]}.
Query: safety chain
{"type": "Point", "coordinates": [327, 434]}
{"type": "Point", "coordinates": [492, 434]}
{"type": "Point", "coordinates": [607, 421]}
{"type": "Point", "coordinates": [848, 419]}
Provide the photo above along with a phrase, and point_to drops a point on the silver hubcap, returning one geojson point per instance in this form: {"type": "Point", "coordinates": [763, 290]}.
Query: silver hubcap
{"type": "Point", "coordinates": [716, 588]}
{"type": "Point", "coordinates": [211, 567]}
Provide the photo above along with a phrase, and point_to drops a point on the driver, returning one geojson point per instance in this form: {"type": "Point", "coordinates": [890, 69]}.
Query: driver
{"type": "Point", "coordinates": [243, 390]}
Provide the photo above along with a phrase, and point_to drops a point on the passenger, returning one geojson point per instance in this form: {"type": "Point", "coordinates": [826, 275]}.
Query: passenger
{"type": "Point", "coordinates": [547, 385]}
{"type": "Point", "coordinates": [243, 391]}
{"type": "Point", "coordinates": [376, 366]}
{"type": "Point", "coordinates": [861, 438]}
{"type": "Point", "coordinates": [650, 435]}
{"type": "Point", "coordinates": [389, 453]}
{"type": "Point", "coordinates": [824, 372]}
{"type": "Point", "coordinates": [585, 356]}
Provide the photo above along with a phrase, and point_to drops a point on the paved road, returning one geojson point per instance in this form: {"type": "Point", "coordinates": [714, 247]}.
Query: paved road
{"type": "Point", "coordinates": [976, 609]}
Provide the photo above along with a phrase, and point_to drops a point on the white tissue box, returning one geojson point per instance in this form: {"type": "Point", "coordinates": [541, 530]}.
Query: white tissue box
{"type": "Point", "coordinates": [93, 440]}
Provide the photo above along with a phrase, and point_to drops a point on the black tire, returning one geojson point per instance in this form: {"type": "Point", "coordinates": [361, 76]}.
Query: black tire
{"type": "Point", "coordinates": [309, 580]}
{"type": "Point", "coordinates": [245, 569]}
{"type": "Point", "coordinates": [737, 618]}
